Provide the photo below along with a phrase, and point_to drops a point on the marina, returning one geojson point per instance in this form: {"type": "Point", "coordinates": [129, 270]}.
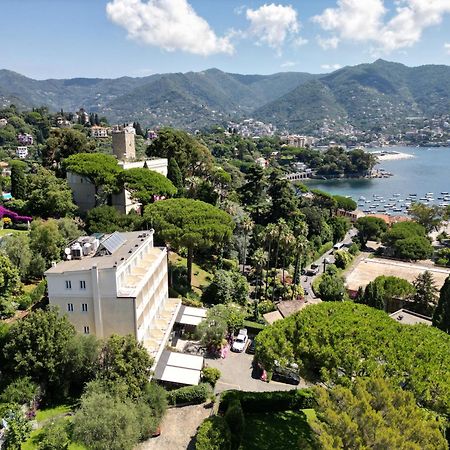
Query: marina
{"type": "Point", "coordinates": [423, 178]}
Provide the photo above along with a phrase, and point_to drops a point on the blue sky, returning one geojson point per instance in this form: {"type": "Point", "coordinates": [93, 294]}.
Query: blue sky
{"type": "Point", "coordinates": [112, 38]}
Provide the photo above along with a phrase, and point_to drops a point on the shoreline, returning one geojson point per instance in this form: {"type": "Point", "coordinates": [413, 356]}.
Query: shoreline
{"type": "Point", "coordinates": [391, 155]}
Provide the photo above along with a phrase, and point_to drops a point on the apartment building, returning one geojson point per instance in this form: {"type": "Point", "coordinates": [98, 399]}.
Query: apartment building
{"type": "Point", "coordinates": [116, 284]}
{"type": "Point", "coordinates": [22, 152]}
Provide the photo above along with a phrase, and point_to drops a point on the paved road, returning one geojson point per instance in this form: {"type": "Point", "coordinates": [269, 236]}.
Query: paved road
{"type": "Point", "coordinates": [307, 281]}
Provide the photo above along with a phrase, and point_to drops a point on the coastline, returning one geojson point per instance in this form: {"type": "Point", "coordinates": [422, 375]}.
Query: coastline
{"type": "Point", "coordinates": [391, 155]}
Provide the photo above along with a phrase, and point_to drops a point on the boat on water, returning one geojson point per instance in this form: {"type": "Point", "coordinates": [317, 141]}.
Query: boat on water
{"type": "Point", "coordinates": [444, 193]}
{"type": "Point", "coordinates": [396, 195]}
{"type": "Point", "coordinates": [362, 198]}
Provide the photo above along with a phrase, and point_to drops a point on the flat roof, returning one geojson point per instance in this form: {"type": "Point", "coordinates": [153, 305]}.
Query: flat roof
{"type": "Point", "coordinates": [410, 317]}
{"type": "Point", "coordinates": [188, 315]}
{"type": "Point", "coordinates": [272, 316]}
{"type": "Point", "coordinates": [133, 240]}
{"type": "Point", "coordinates": [181, 375]}
{"type": "Point", "coordinates": [179, 368]}
{"type": "Point", "coordinates": [185, 361]}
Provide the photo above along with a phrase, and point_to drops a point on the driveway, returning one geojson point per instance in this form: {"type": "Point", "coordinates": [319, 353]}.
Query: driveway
{"type": "Point", "coordinates": [178, 429]}
{"type": "Point", "coordinates": [236, 373]}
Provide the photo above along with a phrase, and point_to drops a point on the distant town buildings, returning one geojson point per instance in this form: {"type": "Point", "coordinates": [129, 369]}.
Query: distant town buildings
{"type": "Point", "coordinates": [22, 152]}
{"type": "Point", "coordinates": [297, 141]}
{"type": "Point", "coordinates": [99, 132]}
{"type": "Point", "coordinates": [252, 128]}
{"type": "Point", "coordinates": [25, 139]}
{"type": "Point", "coordinates": [262, 162]}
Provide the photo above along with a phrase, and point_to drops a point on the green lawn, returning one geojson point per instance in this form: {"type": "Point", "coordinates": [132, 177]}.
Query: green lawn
{"type": "Point", "coordinates": [43, 416]}
{"type": "Point", "coordinates": [277, 431]}
{"type": "Point", "coordinates": [6, 231]}
{"type": "Point", "coordinates": [200, 278]}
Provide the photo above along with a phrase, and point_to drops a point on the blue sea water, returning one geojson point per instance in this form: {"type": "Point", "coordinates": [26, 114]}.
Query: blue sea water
{"type": "Point", "coordinates": [428, 171]}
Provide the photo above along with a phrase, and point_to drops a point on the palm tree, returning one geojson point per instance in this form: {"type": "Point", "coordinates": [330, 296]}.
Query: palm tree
{"type": "Point", "coordinates": [271, 233]}
{"type": "Point", "coordinates": [281, 229]}
{"type": "Point", "coordinates": [301, 246]}
{"type": "Point", "coordinates": [246, 226]}
{"type": "Point", "coordinates": [259, 260]}
{"type": "Point", "coordinates": [287, 243]}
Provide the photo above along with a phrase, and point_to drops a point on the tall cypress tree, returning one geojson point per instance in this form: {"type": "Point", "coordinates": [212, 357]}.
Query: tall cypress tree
{"type": "Point", "coordinates": [174, 175]}
{"type": "Point", "coordinates": [18, 180]}
{"type": "Point", "coordinates": [441, 316]}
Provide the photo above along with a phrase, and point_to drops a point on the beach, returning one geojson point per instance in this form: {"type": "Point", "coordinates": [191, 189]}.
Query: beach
{"type": "Point", "coordinates": [392, 156]}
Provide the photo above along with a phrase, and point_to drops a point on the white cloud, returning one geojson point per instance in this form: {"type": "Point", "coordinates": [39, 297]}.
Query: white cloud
{"type": "Point", "coordinates": [273, 24]}
{"type": "Point", "coordinates": [288, 64]}
{"type": "Point", "coordinates": [365, 21]}
{"type": "Point", "coordinates": [447, 47]}
{"type": "Point", "coordinates": [298, 42]}
{"type": "Point", "coordinates": [330, 66]}
{"type": "Point", "coordinates": [327, 43]}
{"type": "Point", "coordinates": [168, 24]}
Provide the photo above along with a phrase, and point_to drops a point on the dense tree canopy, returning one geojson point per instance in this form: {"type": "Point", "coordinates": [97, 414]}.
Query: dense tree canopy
{"type": "Point", "coordinates": [374, 414]}
{"type": "Point", "coordinates": [101, 170]}
{"type": "Point", "coordinates": [345, 203]}
{"type": "Point", "coordinates": [380, 292]}
{"type": "Point", "coordinates": [430, 217]}
{"type": "Point", "coordinates": [370, 228]}
{"type": "Point", "coordinates": [192, 157]}
{"type": "Point", "coordinates": [441, 316]}
{"type": "Point", "coordinates": [338, 341]}
{"type": "Point", "coordinates": [189, 223]}
{"type": "Point", "coordinates": [107, 219]}
{"type": "Point", "coordinates": [38, 346]}
{"type": "Point", "coordinates": [144, 185]}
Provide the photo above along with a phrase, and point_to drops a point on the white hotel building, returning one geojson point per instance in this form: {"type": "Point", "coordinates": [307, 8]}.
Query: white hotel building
{"type": "Point", "coordinates": [116, 284]}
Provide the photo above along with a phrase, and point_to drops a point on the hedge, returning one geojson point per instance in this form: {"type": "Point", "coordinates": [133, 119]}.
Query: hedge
{"type": "Point", "coordinates": [213, 434]}
{"type": "Point", "coordinates": [258, 402]}
{"type": "Point", "coordinates": [190, 395]}
{"type": "Point", "coordinates": [236, 422]}
{"type": "Point", "coordinates": [253, 327]}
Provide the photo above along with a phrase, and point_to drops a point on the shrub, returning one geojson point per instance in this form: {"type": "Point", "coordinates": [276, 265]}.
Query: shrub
{"type": "Point", "coordinates": [353, 249]}
{"type": "Point", "coordinates": [54, 436]}
{"type": "Point", "coordinates": [236, 422]}
{"type": "Point", "coordinates": [342, 259]}
{"type": "Point", "coordinates": [257, 402]}
{"type": "Point", "coordinates": [190, 395]}
{"type": "Point", "coordinates": [266, 306]}
{"type": "Point", "coordinates": [20, 391]}
{"type": "Point", "coordinates": [213, 434]}
{"type": "Point", "coordinates": [210, 375]}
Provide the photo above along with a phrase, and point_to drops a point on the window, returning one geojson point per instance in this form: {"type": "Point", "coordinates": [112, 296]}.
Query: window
{"type": "Point", "coordinates": [68, 284]}
{"type": "Point", "coordinates": [82, 284]}
{"type": "Point", "coordinates": [84, 307]}
{"type": "Point", "coordinates": [70, 307]}
{"type": "Point", "coordinates": [86, 329]}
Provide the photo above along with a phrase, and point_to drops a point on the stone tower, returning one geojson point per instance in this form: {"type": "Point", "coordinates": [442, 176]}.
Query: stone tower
{"type": "Point", "coordinates": [123, 145]}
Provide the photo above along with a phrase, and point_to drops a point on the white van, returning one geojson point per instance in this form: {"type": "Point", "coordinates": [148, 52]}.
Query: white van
{"type": "Point", "coordinates": [338, 246]}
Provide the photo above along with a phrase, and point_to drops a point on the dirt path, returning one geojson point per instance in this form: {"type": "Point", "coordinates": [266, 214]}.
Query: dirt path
{"type": "Point", "coordinates": [177, 429]}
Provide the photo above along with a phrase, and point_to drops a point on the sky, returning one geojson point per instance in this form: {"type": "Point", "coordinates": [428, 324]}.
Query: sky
{"type": "Point", "coordinates": [112, 38]}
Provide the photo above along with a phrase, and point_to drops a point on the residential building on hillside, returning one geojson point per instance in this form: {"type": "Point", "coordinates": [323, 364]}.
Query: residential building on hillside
{"type": "Point", "coordinates": [25, 139]}
{"type": "Point", "coordinates": [116, 284]}
{"type": "Point", "coordinates": [99, 132]}
{"type": "Point", "coordinates": [22, 152]}
{"type": "Point", "coordinates": [3, 123]}
{"type": "Point", "coordinates": [84, 192]}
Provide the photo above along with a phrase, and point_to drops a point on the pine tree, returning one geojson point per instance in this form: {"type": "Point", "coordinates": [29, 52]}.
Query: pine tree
{"type": "Point", "coordinates": [425, 297]}
{"type": "Point", "coordinates": [18, 180]}
{"type": "Point", "coordinates": [96, 120]}
{"type": "Point", "coordinates": [441, 316]}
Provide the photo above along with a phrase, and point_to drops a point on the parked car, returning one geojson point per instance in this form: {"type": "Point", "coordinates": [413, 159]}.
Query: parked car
{"type": "Point", "coordinates": [284, 375]}
{"type": "Point", "coordinates": [251, 347]}
{"type": "Point", "coordinates": [241, 341]}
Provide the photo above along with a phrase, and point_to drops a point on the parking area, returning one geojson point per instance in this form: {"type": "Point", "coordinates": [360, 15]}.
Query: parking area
{"type": "Point", "coordinates": [236, 370]}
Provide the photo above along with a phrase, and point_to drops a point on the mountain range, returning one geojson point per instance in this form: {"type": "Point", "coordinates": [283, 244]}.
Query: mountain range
{"type": "Point", "coordinates": [366, 96]}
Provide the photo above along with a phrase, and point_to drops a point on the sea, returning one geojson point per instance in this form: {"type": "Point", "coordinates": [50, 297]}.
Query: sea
{"type": "Point", "coordinates": [428, 172]}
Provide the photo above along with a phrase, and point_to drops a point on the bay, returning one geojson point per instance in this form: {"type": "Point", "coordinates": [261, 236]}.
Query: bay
{"type": "Point", "coordinates": [427, 172]}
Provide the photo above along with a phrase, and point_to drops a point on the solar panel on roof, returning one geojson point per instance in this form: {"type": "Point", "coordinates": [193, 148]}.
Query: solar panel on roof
{"type": "Point", "coordinates": [112, 242]}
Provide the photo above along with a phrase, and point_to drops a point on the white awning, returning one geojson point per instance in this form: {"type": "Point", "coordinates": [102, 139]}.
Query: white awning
{"type": "Point", "coordinates": [185, 361]}
{"type": "Point", "coordinates": [197, 312]}
{"type": "Point", "coordinates": [181, 375]}
{"type": "Point", "coordinates": [190, 320]}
